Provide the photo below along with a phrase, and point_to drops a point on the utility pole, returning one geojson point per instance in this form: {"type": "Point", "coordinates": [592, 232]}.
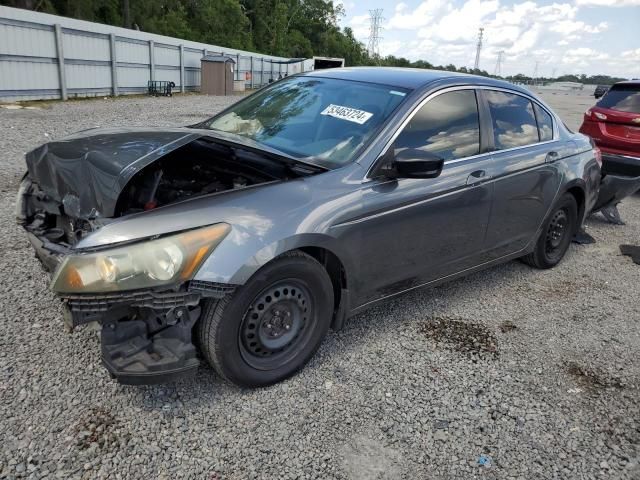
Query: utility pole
{"type": "Point", "coordinates": [535, 72]}
{"type": "Point", "coordinates": [498, 70]}
{"type": "Point", "coordinates": [375, 25]}
{"type": "Point", "coordinates": [477, 63]}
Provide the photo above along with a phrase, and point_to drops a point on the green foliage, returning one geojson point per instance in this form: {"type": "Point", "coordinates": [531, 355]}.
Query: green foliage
{"type": "Point", "coordinates": [287, 28]}
{"type": "Point", "coordinates": [588, 80]}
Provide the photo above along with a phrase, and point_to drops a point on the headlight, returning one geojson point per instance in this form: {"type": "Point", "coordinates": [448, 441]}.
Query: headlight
{"type": "Point", "coordinates": [142, 265]}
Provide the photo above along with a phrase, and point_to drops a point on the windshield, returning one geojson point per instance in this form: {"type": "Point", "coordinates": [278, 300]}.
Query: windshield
{"type": "Point", "coordinates": [625, 98]}
{"type": "Point", "coordinates": [321, 120]}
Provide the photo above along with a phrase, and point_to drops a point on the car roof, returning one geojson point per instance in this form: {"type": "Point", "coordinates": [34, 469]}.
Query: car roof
{"type": "Point", "coordinates": [409, 78]}
{"type": "Point", "coordinates": [632, 83]}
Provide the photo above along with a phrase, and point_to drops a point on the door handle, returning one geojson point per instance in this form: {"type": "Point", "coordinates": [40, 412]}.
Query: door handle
{"type": "Point", "coordinates": [552, 157]}
{"type": "Point", "coordinates": [477, 177]}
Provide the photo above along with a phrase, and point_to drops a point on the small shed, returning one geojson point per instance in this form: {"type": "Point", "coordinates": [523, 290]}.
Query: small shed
{"type": "Point", "coordinates": [216, 75]}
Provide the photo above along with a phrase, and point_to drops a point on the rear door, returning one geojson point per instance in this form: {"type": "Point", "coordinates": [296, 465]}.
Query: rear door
{"type": "Point", "coordinates": [619, 119]}
{"type": "Point", "coordinates": [525, 171]}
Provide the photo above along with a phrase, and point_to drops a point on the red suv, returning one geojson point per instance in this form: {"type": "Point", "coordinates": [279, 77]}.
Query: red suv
{"type": "Point", "coordinates": [614, 124]}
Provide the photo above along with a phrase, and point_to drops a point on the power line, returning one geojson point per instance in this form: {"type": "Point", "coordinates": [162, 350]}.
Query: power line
{"type": "Point", "coordinates": [375, 26]}
{"type": "Point", "coordinates": [498, 70]}
{"type": "Point", "coordinates": [477, 63]}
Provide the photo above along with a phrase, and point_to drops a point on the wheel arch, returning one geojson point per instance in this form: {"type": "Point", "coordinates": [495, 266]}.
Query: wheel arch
{"type": "Point", "coordinates": [232, 268]}
{"type": "Point", "coordinates": [578, 190]}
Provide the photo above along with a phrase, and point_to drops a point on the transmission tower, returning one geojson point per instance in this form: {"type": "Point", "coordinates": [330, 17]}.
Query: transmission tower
{"type": "Point", "coordinates": [498, 70]}
{"type": "Point", "coordinates": [375, 26]}
{"type": "Point", "coordinates": [535, 71]}
{"type": "Point", "coordinates": [480, 33]}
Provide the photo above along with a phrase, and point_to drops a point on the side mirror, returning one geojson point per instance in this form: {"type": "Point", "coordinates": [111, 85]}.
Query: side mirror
{"type": "Point", "coordinates": [415, 163]}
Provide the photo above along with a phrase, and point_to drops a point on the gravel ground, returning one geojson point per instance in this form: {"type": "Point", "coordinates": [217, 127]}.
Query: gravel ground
{"type": "Point", "coordinates": [509, 373]}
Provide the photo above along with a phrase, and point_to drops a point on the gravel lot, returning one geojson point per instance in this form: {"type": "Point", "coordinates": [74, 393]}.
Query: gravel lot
{"type": "Point", "coordinates": [510, 373]}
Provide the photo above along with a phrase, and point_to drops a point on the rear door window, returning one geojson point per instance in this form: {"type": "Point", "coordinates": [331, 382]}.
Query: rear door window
{"type": "Point", "coordinates": [625, 98]}
{"type": "Point", "coordinates": [446, 126]}
{"type": "Point", "coordinates": [514, 123]}
{"type": "Point", "coordinates": [545, 123]}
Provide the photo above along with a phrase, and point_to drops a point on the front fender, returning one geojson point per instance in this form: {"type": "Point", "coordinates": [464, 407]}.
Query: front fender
{"type": "Point", "coordinates": [238, 257]}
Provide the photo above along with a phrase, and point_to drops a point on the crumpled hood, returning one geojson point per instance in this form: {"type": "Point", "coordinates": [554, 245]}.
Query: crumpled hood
{"type": "Point", "coordinates": [87, 170]}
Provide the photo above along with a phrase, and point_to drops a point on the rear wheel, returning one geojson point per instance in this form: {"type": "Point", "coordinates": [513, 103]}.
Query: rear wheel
{"type": "Point", "coordinates": [271, 326]}
{"type": "Point", "coordinates": [556, 234]}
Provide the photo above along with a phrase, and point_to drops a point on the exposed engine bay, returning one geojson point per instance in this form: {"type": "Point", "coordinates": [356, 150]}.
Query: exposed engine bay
{"type": "Point", "coordinates": [56, 215]}
{"type": "Point", "coordinates": [196, 169]}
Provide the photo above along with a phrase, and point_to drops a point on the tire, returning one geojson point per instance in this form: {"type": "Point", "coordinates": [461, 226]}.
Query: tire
{"type": "Point", "coordinates": [272, 325]}
{"type": "Point", "coordinates": [555, 236]}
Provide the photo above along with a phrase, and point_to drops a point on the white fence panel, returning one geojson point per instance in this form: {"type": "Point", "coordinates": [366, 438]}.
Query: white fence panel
{"type": "Point", "coordinates": [23, 40]}
{"type": "Point", "coordinates": [30, 66]}
{"type": "Point", "coordinates": [129, 52]}
{"type": "Point", "coordinates": [86, 47]}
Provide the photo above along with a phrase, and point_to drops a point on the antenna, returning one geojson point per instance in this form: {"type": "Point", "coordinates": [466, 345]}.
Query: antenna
{"type": "Point", "coordinates": [480, 32]}
{"type": "Point", "coordinates": [375, 25]}
{"type": "Point", "coordinates": [498, 70]}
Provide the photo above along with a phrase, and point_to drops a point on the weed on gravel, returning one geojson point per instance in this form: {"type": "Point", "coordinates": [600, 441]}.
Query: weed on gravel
{"type": "Point", "coordinates": [591, 379]}
{"type": "Point", "coordinates": [96, 428]}
{"type": "Point", "coordinates": [472, 339]}
{"type": "Point", "coordinates": [507, 326]}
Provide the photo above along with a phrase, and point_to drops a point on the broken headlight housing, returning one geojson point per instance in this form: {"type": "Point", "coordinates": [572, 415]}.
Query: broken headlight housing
{"type": "Point", "coordinates": [162, 261]}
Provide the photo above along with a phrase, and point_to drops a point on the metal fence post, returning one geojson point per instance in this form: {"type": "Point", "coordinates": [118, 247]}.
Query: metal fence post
{"type": "Point", "coordinates": [251, 72]}
{"type": "Point", "coordinates": [114, 65]}
{"type": "Point", "coordinates": [61, 72]}
{"type": "Point", "coordinates": [204, 54]}
{"type": "Point", "coordinates": [182, 68]}
{"type": "Point", "coordinates": [262, 71]}
{"type": "Point", "coordinates": [238, 69]}
{"type": "Point", "coordinates": [152, 62]}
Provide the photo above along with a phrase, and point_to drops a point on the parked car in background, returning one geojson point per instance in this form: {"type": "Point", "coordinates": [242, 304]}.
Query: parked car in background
{"type": "Point", "coordinates": [254, 232]}
{"type": "Point", "coordinates": [614, 125]}
{"type": "Point", "coordinates": [600, 91]}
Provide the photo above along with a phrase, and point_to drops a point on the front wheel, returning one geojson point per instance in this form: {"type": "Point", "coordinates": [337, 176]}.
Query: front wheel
{"type": "Point", "coordinates": [271, 326]}
{"type": "Point", "coordinates": [556, 234]}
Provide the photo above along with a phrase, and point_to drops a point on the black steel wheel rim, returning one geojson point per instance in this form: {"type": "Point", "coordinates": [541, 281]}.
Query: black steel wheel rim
{"type": "Point", "coordinates": [557, 232]}
{"type": "Point", "coordinates": [277, 324]}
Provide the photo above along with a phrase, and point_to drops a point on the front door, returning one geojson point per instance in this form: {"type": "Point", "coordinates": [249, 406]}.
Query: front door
{"type": "Point", "coordinates": [418, 230]}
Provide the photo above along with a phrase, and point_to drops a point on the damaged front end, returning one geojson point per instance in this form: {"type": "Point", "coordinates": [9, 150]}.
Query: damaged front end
{"type": "Point", "coordinates": [140, 289]}
{"type": "Point", "coordinates": [146, 336]}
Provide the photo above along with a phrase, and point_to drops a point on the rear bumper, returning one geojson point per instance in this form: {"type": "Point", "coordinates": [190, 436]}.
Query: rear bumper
{"type": "Point", "coordinates": [621, 178]}
{"type": "Point", "coordinates": [616, 164]}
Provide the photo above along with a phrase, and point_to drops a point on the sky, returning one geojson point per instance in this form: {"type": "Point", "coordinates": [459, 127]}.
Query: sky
{"type": "Point", "coordinates": [573, 36]}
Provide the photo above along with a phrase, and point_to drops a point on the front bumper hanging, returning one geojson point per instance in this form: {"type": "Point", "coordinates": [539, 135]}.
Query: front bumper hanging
{"type": "Point", "coordinates": [146, 336]}
{"type": "Point", "coordinates": [134, 357]}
